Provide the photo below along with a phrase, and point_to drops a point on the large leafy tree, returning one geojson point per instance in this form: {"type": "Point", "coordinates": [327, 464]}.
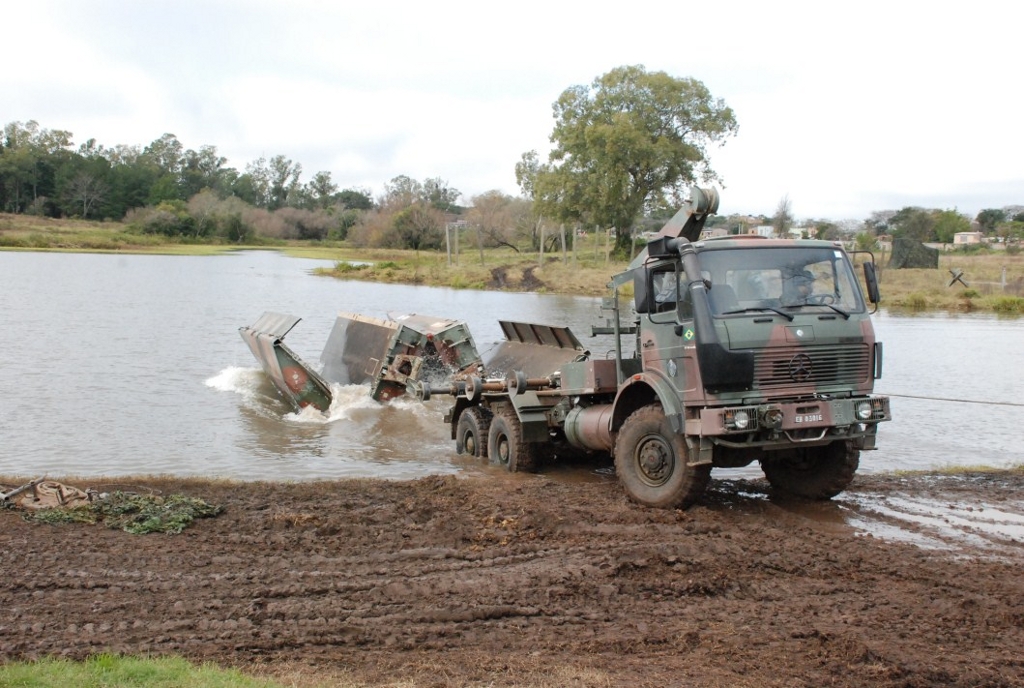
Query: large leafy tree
{"type": "Point", "coordinates": [989, 219]}
{"type": "Point", "coordinates": [948, 223]}
{"type": "Point", "coordinates": [629, 141]}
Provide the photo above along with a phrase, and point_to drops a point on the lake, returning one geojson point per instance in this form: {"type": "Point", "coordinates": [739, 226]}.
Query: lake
{"type": "Point", "coordinates": [118, 365]}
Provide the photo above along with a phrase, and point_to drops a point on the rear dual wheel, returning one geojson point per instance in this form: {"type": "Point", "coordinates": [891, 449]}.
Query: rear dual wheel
{"type": "Point", "coordinates": [506, 445]}
{"type": "Point", "coordinates": [471, 431]}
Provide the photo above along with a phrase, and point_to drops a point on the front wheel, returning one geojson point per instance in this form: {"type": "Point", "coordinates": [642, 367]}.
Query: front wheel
{"type": "Point", "coordinates": [651, 462]}
{"type": "Point", "coordinates": [812, 472]}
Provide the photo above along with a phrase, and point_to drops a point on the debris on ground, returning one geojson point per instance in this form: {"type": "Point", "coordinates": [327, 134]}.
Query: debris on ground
{"type": "Point", "coordinates": [53, 502]}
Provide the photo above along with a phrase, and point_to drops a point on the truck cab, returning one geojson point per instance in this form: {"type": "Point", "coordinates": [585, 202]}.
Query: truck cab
{"type": "Point", "coordinates": [752, 350]}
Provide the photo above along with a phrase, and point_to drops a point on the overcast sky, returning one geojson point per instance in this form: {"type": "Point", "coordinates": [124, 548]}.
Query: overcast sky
{"type": "Point", "coordinates": [845, 108]}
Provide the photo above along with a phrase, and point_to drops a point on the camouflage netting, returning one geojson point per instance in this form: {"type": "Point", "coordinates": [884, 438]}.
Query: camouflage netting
{"type": "Point", "coordinates": [48, 501]}
{"type": "Point", "coordinates": [908, 253]}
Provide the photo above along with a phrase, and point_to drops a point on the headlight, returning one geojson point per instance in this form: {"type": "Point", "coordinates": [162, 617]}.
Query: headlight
{"type": "Point", "coordinates": [740, 420]}
{"type": "Point", "coordinates": [863, 410]}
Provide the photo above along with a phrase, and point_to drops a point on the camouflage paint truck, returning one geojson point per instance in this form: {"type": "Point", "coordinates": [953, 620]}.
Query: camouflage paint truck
{"type": "Point", "coordinates": [745, 349]}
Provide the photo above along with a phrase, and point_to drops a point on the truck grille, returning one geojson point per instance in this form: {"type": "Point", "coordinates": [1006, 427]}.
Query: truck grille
{"type": "Point", "coordinates": [776, 369]}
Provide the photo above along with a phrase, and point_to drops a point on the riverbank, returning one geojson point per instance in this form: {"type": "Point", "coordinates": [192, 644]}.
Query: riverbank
{"type": "Point", "coordinates": [993, 281]}
{"type": "Point", "coordinates": [522, 580]}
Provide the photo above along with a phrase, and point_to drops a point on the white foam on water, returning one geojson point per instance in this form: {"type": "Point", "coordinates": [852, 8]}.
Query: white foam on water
{"type": "Point", "coordinates": [243, 381]}
{"type": "Point", "coordinates": [349, 402]}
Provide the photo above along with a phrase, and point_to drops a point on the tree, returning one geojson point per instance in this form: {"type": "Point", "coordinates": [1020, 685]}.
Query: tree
{"type": "Point", "coordinates": [783, 218]}
{"type": "Point", "coordinates": [527, 170]}
{"type": "Point", "coordinates": [401, 192]}
{"type": "Point", "coordinates": [354, 199]}
{"type": "Point", "coordinates": [827, 230]}
{"type": "Point", "coordinates": [624, 143]}
{"type": "Point", "coordinates": [912, 223]}
{"type": "Point", "coordinates": [880, 221]}
{"type": "Point", "coordinates": [418, 226]}
{"type": "Point", "coordinates": [254, 186]}
{"type": "Point", "coordinates": [29, 159]}
{"type": "Point", "coordinates": [989, 218]}
{"type": "Point", "coordinates": [284, 181]}
{"type": "Point", "coordinates": [492, 214]}
{"type": "Point", "coordinates": [321, 189]}
{"type": "Point", "coordinates": [947, 223]}
{"type": "Point", "coordinates": [866, 241]}
{"type": "Point", "coordinates": [86, 189]}
{"type": "Point", "coordinates": [166, 153]}
{"type": "Point", "coordinates": [203, 207]}
{"type": "Point", "coordinates": [201, 170]}
{"type": "Point", "coordinates": [439, 194]}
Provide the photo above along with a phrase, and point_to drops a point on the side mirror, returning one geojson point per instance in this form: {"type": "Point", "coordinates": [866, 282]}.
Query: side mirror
{"type": "Point", "coordinates": [871, 280]}
{"type": "Point", "coordinates": [642, 297]}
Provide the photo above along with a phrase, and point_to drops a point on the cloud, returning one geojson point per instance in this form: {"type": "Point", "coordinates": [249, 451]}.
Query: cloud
{"type": "Point", "coordinates": [841, 107]}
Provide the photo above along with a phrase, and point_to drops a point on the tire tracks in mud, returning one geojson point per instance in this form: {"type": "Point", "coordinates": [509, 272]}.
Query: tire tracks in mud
{"type": "Point", "coordinates": [473, 575]}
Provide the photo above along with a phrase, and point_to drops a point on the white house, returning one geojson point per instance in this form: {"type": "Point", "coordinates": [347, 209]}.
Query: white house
{"type": "Point", "coordinates": [964, 238]}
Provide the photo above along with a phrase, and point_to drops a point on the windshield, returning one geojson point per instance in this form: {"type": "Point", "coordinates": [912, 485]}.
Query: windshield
{"type": "Point", "coordinates": [784, 278]}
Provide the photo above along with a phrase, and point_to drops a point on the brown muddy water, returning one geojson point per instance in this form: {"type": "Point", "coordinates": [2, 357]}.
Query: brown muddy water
{"type": "Point", "coordinates": [124, 365]}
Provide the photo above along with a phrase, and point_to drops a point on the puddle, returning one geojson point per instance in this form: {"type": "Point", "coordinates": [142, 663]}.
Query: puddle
{"type": "Point", "coordinates": [956, 514]}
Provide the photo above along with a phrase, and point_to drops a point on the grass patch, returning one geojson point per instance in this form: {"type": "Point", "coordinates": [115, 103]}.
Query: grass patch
{"type": "Point", "coordinates": [112, 671]}
{"type": "Point", "coordinates": [995, 277]}
{"type": "Point", "coordinates": [1008, 304]}
{"type": "Point", "coordinates": [343, 267]}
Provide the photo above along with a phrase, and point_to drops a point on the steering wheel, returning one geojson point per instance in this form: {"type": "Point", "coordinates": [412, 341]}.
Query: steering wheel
{"type": "Point", "coordinates": [820, 299]}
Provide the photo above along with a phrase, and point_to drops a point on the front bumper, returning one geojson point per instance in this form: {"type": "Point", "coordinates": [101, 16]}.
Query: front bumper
{"type": "Point", "coordinates": [809, 421]}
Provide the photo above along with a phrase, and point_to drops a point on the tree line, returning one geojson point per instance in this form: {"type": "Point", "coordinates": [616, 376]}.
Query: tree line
{"type": "Point", "coordinates": [625, 150]}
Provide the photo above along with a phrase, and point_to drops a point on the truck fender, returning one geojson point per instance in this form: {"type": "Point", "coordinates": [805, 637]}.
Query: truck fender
{"type": "Point", "coordinates": [647, 388]}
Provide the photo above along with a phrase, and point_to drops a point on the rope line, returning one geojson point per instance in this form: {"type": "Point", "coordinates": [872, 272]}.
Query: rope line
{"type": "Point", "coordinates": [958, 401]}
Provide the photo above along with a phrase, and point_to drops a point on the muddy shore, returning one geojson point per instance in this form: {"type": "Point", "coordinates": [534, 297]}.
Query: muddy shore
{"type": "Point", "coordinates": [524, 580]}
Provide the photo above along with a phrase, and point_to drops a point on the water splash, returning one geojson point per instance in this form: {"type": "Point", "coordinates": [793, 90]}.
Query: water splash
{"type": "Point", "coordinates": [243, 381]}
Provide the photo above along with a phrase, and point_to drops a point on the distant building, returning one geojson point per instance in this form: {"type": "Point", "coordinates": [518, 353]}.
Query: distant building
{"type": "Point", "coordinates": [966, 238]}
{"type": "Point", "coordinates": [711, 233]}
{"type": "Point", "coordinates": [765, 231]}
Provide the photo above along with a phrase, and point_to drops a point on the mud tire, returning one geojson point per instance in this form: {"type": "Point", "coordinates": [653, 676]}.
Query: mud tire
{"type": "Point", "coordinates": [506, 446]}
{"type": "Point", "coordinates": [817, 473]}
{"type": "Point", "coordinates": [651, 462]}
{"type": "Point", "coordinates": [471, 431]}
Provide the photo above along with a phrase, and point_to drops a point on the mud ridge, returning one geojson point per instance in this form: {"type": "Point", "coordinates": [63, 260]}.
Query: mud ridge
{"type": "Point", "coordinates": [451, 581]}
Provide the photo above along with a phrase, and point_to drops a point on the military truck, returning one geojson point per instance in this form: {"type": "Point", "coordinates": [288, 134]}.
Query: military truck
{"type": "Point", "coordinates": [744, 349]}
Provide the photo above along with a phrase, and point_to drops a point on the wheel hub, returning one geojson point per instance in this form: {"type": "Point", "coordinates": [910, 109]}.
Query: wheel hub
{"type": "Point", "coordinates": [654, 458]}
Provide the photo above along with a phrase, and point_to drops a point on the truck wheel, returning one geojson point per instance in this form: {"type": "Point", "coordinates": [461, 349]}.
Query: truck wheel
{"type": "Point", "coordinates": [812, 472]}
{"type": "Point", "coordinates": [471, 431]}
{"type": "Point", "coordinates": [505, 444]}
{"type": "Point", "coordinates": [651, 462]}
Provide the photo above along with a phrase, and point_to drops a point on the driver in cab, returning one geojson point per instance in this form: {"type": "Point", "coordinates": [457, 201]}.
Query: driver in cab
{"type": "Point", "coordinates": [798, 288]}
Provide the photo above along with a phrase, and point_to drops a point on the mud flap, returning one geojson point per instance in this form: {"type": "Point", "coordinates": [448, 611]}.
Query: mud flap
{"type": "Point", "coordinates": [699, 451]}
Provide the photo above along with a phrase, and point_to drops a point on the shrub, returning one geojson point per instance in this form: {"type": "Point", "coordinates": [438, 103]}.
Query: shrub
{"type": "Point", "coordinates": [1008, 304]}
{"type": "Point", "coordinates": [344, 266]}
{"type": "Point", "coordinates": [916, 302]}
